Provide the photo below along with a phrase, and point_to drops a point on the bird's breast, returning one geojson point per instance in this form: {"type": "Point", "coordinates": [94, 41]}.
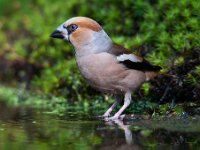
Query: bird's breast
{"type": "Point", "coordinates": [99, 70]}
{"type": "Point", "coordinates": [103, 72]}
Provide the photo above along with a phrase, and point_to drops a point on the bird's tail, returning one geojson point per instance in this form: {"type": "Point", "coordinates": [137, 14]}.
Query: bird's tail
{"type": "Point", "coordinates": [150, 75]}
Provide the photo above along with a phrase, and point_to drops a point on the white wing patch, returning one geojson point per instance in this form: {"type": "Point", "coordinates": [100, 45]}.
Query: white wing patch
{"type": "Point", "coordinates": [130, 57]}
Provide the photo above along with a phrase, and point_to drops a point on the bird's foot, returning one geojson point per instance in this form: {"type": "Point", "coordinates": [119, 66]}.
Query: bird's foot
{"type": "Point", "coordinates": [106, 115]}
{"type": "Point", "coordinates": [115, 117]}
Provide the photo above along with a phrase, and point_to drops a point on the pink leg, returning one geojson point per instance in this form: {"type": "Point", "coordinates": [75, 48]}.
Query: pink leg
{"type": "Point", "coordinates": [127, 101]}
{"type": "Point", "coordinates": [107, 113]}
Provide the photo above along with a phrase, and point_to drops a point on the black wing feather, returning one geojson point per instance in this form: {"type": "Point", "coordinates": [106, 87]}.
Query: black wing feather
{"type": "Point", "coordinates": [143, 66]}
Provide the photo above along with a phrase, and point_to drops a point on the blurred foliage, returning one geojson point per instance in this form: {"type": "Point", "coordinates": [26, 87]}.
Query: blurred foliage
{"type": "Point", "coordinates": [58, 105]}
{"type": "Point", "coordinates": [166, 32]}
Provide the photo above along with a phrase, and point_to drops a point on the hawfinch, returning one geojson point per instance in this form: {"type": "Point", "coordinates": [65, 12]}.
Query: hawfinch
{"type": "Point", "coordinates": [106, 66]}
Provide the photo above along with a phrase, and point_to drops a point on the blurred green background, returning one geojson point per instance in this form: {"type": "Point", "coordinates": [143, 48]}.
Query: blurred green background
{"type": "Point", "coordinates": [165, 32]}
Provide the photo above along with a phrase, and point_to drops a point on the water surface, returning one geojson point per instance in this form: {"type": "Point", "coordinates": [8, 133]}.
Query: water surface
{"type": "Point", "coordinates": [27, 128]}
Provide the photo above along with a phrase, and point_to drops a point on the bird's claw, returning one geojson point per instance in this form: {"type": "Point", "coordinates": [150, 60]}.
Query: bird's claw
{"type": "Point", "coordinates": [106, 115]}
{"type": "Point", "coordinates": [114, 118]}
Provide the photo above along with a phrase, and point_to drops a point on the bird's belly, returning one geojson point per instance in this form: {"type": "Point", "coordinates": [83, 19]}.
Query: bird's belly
{"type": "Point", "coordinates": [107, 75]}
{"type": "Point", "coordinates": [102, 79]}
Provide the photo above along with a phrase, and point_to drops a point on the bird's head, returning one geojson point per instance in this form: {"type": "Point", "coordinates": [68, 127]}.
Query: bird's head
{"type": "Point", "coordinates": [81, 32]}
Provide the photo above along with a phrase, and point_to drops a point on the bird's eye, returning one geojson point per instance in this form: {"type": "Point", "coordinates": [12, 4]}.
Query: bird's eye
{"type": "Point", "coordinates": [71, 28]}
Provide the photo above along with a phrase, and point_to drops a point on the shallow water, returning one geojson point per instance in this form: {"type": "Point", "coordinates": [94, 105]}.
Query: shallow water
{"type": "Point", "coordinates": [26, 128]}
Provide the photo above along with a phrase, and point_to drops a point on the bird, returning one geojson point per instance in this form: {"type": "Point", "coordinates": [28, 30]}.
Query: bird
{"type": "Point", "coordinates": [106, 66]}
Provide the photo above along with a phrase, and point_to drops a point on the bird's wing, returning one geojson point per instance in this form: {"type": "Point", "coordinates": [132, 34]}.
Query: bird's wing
{"type": "Point", "coordinates": [118, 50]}
{"type": "Point", "coordinates": [130, 60]}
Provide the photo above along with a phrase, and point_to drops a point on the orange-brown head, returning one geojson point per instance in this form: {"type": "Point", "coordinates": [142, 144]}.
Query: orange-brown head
{"type": "Point", "coordinates": [79, 31]}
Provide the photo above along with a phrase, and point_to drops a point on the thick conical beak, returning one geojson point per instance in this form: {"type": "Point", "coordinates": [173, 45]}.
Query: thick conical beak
{"type": "Point", "coordinates": [57, 34]}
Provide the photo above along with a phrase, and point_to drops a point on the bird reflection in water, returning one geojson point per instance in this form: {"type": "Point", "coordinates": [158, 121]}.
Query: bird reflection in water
{"type": "Point", "coordinates": [127, 131]}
